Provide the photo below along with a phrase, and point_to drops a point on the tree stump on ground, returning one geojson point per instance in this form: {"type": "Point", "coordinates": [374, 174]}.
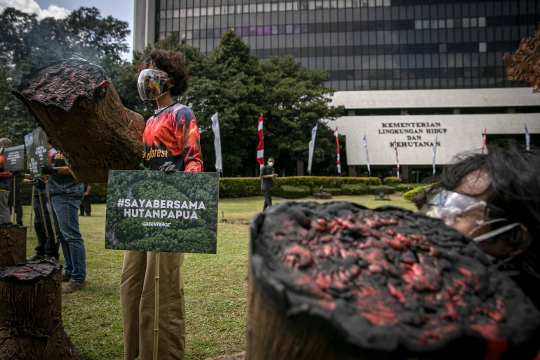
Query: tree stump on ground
{"type": "Point", "coordinates": [30, 316]}
{"type": "Point", "coordinates": [12, 245]}
{"type": "Point", "coordinates": [77, 106]}
{"type": "Point", "coordinates": [340, 281]}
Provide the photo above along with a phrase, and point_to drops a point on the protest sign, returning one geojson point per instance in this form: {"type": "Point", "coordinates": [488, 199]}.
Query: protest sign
{"type": "Point", "coordinates": [153, 211]}
{"type": "Point", "coordinates": [14, 158]}
{"type": "Point", "coordinates": [36, 151]}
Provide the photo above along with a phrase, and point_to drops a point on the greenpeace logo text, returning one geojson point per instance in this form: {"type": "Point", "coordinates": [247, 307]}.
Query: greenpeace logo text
{"type": "Point", "coordinates": [159, 224]}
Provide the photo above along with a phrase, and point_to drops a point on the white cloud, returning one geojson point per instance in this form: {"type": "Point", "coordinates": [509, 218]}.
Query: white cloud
{"type": "Point", "coordinates": [32, 7]}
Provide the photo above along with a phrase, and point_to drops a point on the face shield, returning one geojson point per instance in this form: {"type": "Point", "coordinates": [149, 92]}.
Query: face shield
{"type": "Point", "coordinates": [152, 84]}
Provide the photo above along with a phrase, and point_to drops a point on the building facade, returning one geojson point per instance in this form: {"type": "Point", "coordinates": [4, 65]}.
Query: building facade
{"type": "Point", "coordinates": [376, 49]}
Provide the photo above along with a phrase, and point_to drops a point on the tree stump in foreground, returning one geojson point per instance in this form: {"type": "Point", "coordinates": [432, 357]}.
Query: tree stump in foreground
{"type": "Point", "coordinates": [30, 315]}
{"type": "Point", "coordinates": [12, 245]}
{"type": "Point", "coordinates": [77, 106]}
{"type": "Point", "coordinates": [340, 281]}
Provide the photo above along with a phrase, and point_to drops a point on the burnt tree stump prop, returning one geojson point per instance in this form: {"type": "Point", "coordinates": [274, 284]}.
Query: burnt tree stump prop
{"type": "Point", "coordinates": [76, 104]}
{"type": "Point", "coordinates": [340, 281]}
{"type": "Point", "coordinates": [12, 245]}
{"type": "Point", "coordinates": [30, 316]}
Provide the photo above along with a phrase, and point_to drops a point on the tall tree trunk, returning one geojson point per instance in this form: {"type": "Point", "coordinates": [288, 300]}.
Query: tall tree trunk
{"type": "Point", "coordinates": [77, 106]}
{"type": "Point", "coordinates": [30, 316]}
{"type": "Point", "coordinates": [13, 245]}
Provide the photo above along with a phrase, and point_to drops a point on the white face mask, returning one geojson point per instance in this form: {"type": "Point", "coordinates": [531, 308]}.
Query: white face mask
{"type": "Point", "coordinates": [270, 164]}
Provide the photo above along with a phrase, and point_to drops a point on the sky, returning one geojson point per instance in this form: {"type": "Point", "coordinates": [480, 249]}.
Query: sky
{"type": "Point", "coordinates": [120, 9]}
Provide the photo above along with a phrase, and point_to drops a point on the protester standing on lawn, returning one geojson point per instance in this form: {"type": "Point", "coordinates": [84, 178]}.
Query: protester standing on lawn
{"type": "Point", "coordinates": [268, 173]}
{"type": "Point", "coordinates": [6, 181]}
{"type": "Point", "coordinates": [66, 194]}
{"type": "Point", "coordinates": [86, 207]}
{"type": "Point", "coordinates": [47, 247]}
{"type": "Point", "coordinates": [172, 130]}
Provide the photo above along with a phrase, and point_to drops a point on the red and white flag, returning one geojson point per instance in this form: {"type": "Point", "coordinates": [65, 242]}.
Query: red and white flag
{"type": "Point", "coordinates": [338, 162]}
{"type": "Point", "coordinates": [484, 140]}
{"type": "Point", "coordinates": [397, 160]}
{"type": "Point", "coordinates": [260, 147]}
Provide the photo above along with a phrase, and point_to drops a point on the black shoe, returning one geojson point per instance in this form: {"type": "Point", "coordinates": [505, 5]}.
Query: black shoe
{"type": "Point", "coordinates": [88, 215]}
{"type": "Point", "coordinates": [81, 214]}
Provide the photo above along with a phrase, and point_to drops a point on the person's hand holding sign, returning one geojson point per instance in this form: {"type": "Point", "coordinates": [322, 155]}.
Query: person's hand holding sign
{"type": "Point", "coordinates": [168, 168]}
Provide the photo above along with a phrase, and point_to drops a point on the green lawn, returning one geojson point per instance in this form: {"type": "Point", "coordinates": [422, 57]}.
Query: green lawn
{"type": "Point", "coordinates": [215, 285]}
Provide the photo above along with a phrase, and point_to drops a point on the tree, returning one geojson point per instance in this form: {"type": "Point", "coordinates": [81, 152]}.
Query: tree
{"type": "Point", "coordinates": [25, 42]}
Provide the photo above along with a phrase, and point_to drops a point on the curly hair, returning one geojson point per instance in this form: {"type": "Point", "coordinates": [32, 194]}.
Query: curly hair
{"type": "Point", "coordinates": [173, 63]}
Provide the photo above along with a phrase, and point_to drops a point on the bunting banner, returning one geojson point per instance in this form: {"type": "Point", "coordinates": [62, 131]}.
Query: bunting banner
{"type": "Point", "coordinates": [217, 142]}
{"type": "Point", "coordinates": [260, 147]}
{"type": "Point", "coordinates": [527, 137]}
{"type": "Point", "coordinates": [484, 140]}
{"type": "Point", "coordinates": [397, 160]}
{"type": "Point", "coordinates": [338, 162]}
{"type": "Point", "coordinates": [367, 155]}
{"type": "Point", "coordinates": [434, 154]}
{"type": "Point", "coordinates": [311, 148]}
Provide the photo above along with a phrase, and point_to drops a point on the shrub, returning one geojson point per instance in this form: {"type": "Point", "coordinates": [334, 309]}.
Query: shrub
{"type": "Point", "coordinates": [333, 191]}
{"type": "Point", "coordinates": [361, 180]}
{"type": "Point", "coordinates": [409, 195]}
{"type": "Point", "coordinates": [354, 189]}
{"type": "Point", "coordinates": [239, 187]}
{"type": "Point", "coordinates": [391, 180]}
{"type": "Point", "coordinates": [292, 192]}
{"type": "Point", "coordinates": [375, 190]}
{"type": "Point", "coordinates": [98, 193]}
{"type": "Point", "coordinates": [406, 187]}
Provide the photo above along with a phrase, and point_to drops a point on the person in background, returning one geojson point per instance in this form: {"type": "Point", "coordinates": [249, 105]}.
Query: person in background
{"type": "Point", "coordinates": [171, 143]}
{"type": "Point", "coordinates": [47, 247]}
{"type": "Point", "coordinates": [17, 206]}
{"type": "Point", "coordinates": [86, 207]}
{"type": "Point", "coordinates": [494, 198]}
{"type": "Point", "coordinates": [66, 194]}
{"type": "Point", "coordinates": [268, 173]}
{"type": "Point", "coordinates": [6, 182]}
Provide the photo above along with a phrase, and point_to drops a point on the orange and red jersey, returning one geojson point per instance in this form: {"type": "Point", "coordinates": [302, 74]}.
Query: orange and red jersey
{"type": "Point", "coordinates": [172, 135]}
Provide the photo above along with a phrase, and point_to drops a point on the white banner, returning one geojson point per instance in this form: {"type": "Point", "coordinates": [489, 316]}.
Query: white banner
{"type": "Point", "coordinates": [217, 142]}
{"type": "Point", "coordinates": [367, 155]}
{"type": "Point", "coordinates": [434, 154]}
{"type": "Point", "coordinates": [311, 147]}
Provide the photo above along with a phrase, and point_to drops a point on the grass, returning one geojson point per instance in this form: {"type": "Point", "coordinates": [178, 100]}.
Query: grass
{"type": "Point", "coordinates": [215, 285]}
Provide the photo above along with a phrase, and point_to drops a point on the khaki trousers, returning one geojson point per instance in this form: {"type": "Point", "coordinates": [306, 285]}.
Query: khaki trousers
{"type": "Point", "coordinates": [137, 301]}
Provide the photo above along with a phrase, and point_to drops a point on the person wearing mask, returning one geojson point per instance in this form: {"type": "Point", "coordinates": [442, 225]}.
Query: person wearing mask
{"type": "Point", "coordinates": [86, 207]}
{"type": "Point", "coordinates": [6, 182]}
{"type": "Point", "coordinates": [268, 173]}
{"type": "Point", "coordinates": [66, 194]}
{"type": "Point", "coordinates": [494, 199]}
{"type": "Point", "coordinates": [171, 143]}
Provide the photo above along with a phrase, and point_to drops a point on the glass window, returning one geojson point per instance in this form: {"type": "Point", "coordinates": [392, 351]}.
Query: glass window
{"type": "Point", "coordinates": [196, 11]}
{"type": "Point", "coordinates": [267, 7]}
{"type": "Point", "coordinates": [450, 23]}
{"type": "Point", "coordinates": [182, 13]}
{"type": "Point", "coordinates": [246, 9]}
{"type": "Point", "coordinates": [418, 24]}
{"type": "Point", "coordinates": [426, 24]}
{"type": "Point", "coordinates": [482, 47]}
{"type": "Point", "coordinates": [482, 22]}
{"type": "Point", "coordinates": [442, 48]}
{"type": "Point", "coordinates": [260, 7]}
{"type": "Point", "coordinates": [224, 10]}
{"type": "Point", "coordinates": [282, 6]}
{"type": "Point", "coordinates": [288, 5]}
{"type": "Point", "coordinates": [474, 22]}
{"type": "Point", "coordinates": [387, 3]}
{"type": "Point", "coordinates": [466, 22]}
{"type": "Point", "coordinates": [252, 8]}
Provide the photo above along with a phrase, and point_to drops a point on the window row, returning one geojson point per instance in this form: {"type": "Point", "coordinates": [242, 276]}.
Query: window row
{"type": "Point", "coordinates": [422, 84]}
{"type": "Point", "coordinates": [269, 7]}
{"type": "Point", "coordinates": [449, 23]}
{"type": "Point", "coordinates": [437, 73]}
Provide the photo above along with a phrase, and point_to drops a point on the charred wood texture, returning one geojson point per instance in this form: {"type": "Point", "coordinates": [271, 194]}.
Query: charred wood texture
{"type": "Point", "coordinates": [525, 64]}
{"type": "Point", "coordinates": [340, 281]}
{"type": "Point", "coordinates": [76, 104]}
{"type": "Point", "coordinates": [30, 316]}
{"type": "Point", "coordinates": [12, 245]}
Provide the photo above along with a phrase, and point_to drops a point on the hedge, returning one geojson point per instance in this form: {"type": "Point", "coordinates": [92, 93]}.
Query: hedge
{"type": "Point", "coordinates": [409, 195]}
{"type": "Point", "coordinates": [375, 190]}
{"type": "Point", "coordinates": [354, 189]}
{"type": "Point", "coordinates": [406, 187]}
{"type": "Point", "coordinates": [391, 180]}
{"type": "Point", "coordinates": [292, 192]}
{"type": "Point", "coordinates": [243, 187]}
